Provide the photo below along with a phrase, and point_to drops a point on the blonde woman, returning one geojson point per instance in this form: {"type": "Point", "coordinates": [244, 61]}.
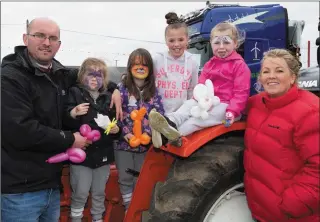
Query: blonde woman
{"type": "Point", "coordinates": [282, 145]}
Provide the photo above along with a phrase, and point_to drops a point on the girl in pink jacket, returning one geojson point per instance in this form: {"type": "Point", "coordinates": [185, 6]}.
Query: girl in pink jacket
{"type": "Point", "coordinates": [230, 76]}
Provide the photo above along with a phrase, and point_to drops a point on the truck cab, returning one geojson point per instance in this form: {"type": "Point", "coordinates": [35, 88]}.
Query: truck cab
{"type": "Point", "coordinates": [264, 27]}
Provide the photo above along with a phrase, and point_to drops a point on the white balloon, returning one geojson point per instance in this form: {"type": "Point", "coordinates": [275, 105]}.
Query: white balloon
{"type": "Point", "coordinates": [102, 121]}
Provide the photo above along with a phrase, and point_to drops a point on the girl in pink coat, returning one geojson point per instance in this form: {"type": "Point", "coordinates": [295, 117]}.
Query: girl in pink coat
{"type": "Point", "coordinates": [230, 76]}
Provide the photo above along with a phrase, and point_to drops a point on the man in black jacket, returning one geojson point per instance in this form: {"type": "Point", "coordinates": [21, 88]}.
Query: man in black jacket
{"type": "Point", "coordinates": [33, 91]}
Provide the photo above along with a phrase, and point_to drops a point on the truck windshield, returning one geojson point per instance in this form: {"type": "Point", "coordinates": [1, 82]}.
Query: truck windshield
{"type": "Point", "coordinates": [203, 52]}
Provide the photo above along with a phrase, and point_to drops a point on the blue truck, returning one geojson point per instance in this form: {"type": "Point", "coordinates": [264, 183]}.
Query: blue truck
{"type": "Point", "coordinates": [265, 26]}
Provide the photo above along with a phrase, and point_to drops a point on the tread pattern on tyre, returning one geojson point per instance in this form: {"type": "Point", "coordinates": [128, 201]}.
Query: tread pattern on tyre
{"type": "Point", "coordinates": [191, 179]}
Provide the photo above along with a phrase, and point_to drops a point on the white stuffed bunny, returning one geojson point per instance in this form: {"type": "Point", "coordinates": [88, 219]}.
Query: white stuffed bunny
{"type": "Point", "coordinates": [204, 94]}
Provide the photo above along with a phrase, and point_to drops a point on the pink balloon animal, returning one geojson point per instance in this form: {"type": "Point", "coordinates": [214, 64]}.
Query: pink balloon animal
{"type": "Point", "coordinates": [76, 155]}
{"type": "Point", "coordinates": [93, 135]}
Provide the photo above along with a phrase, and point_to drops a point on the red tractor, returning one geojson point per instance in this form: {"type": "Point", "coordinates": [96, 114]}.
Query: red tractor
{"type": "Point", "coordinates": [203, 179]}
{"type": "Point", "coordinates": [202, 174]}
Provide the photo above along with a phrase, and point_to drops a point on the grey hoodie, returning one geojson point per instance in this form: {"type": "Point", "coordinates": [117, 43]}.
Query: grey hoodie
{"type": "Point", "coordinates": [175, 78]}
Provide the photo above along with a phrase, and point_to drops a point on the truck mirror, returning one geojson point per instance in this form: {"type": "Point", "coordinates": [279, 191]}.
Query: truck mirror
{"type": "Point", "coordinates": [199, 46]}
{"type": "Point", "coordinates": [318, 44]}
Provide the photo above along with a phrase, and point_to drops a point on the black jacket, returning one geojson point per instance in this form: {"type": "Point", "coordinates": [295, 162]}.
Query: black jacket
{"type": "Point", "coordinates": [101, 152]}
{"type": "Point", "coordinates": [32, 105]}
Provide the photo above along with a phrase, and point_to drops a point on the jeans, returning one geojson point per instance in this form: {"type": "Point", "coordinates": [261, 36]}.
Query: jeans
{"type": "Point", "coordinates": [39, 206]}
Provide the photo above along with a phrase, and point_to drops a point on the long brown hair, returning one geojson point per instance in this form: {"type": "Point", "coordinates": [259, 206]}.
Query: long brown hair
{"type": "Point", "coordinates": [149, 88]}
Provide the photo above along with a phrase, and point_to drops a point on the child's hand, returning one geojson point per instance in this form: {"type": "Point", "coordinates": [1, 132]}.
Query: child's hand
{"type": "Point", "coordinates": [115, 129]}
{"type": "Point", "coordinates": [128, 137]}
{"type": "Point", "coordinates": [229, 119]}
{"type": "Point", "coordinates": [79, 110]}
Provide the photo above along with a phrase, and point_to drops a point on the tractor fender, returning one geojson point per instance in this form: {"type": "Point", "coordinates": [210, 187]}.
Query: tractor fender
{"type": "Point", "coordinates": [196, 140]}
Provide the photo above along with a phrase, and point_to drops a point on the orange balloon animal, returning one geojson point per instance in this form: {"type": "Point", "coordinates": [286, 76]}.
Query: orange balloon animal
{"type": "Point", "coordinates": [138, 137]}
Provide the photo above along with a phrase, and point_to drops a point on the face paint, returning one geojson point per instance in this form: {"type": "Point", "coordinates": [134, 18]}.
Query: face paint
{"type": "Point", "coordinates": [222, 40]}
{"type": "Point", "coordinates": [139, 70]}
{"type": "Point", "coordinates": [94, 79]}
{"type": "Point", "coordinates": [96, 74]}
{"type": "Point", "coordinates": [222, 44]}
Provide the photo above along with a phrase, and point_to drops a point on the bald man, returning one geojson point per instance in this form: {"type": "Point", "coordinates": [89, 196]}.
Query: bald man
{"type": "Point", "coordinates": [34, 87]}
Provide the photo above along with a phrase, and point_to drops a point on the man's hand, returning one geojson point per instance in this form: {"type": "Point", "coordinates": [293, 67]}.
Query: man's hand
{"type": "Point", "coordinates": [80, 141]}
{"type": "Point", "coordinates": [116, 99]}
{"type": "Point", "coordinates": [79, 110]}
{"type": "Point", "coordinates": [128, 137]}
{"type": "Point", "coordinates": [115, 129]}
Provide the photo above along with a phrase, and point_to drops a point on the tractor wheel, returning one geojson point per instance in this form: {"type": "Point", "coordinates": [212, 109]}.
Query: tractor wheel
{"type": "Point", "coordinates": [205, 187]}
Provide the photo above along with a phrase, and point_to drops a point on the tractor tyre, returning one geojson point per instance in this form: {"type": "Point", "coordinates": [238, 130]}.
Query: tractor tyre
{"type": "Point", "coordinates": [195, 183]}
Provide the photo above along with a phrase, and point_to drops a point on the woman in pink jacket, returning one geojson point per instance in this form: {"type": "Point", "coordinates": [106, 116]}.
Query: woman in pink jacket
{"type": "Point", "coordinates": [230, 76]}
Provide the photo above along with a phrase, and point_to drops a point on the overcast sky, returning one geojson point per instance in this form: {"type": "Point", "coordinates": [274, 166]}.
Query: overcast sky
{"type": "Point", "coordinates": [144, 21]}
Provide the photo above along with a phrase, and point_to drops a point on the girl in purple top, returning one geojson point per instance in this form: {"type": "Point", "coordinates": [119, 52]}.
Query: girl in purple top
{"type": "Point", "coordinates": [137, 90]}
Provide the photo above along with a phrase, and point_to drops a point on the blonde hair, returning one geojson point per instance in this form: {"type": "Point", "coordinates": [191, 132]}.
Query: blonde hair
{"type": "Point", "coordinates": [237, 35]}
{"type": "Point", "coordinates": [292, 62]}
{"type": "Point", "coordinates": [93, 62]}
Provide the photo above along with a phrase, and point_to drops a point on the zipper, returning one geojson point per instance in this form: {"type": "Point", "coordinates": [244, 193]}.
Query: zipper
{"type": "Point", "coordinates": [141, 97]}
{"type": "Point", "coordinates": [141, 100]}
{"type": "Point", "coordinates": [258, 131]}
{"type": "Point", "coordinates": [93, 98]}
{"type": "Point", "coordinates": [57, 98]}
{"type": "Point", "coordinates": [26, 180]}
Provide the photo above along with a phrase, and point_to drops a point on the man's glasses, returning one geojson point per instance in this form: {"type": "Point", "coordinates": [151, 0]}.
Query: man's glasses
{"type": "Point", "coordinates": [42, 37]}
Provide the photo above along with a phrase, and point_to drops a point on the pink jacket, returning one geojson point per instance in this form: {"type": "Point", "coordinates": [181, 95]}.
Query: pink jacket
{"type": "Point", "coordinates": [231, 80]}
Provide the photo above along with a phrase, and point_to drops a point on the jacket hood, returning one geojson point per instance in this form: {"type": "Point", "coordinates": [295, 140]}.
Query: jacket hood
{"type": "Point", "coordinates": [20, 58]}
{"type": "Point", "coordinates": [184, 58]}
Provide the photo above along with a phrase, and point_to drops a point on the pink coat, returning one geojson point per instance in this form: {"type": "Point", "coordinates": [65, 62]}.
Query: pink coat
{"type": "Point", "coordinates": [231, 80]}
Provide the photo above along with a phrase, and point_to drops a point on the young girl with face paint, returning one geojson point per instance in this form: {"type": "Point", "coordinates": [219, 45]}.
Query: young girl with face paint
{"type": "Point", "coordinates": [137, 91]}
{"type": "Point", "coordinates": [85, 101]}
{"type": "Point", "coordinates": [176, 73]}
{"type": "Point", "coordinates": [231, 80]}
